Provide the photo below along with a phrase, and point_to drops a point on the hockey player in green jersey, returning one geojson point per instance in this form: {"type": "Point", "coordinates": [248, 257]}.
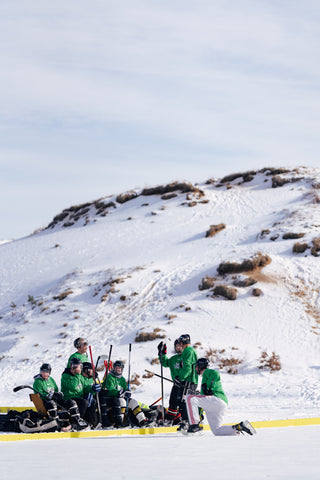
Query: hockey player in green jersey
{"type": "Point", "coordinates": [47, 388]}
{"type": "Point", "coordinates": [213, 401]}
{"type": "Point", "coordinates": [81, 344]}
{"type": "Point", "coordinates": [115, 394]}
{"type": "Point", "coordinates": [172, 415]}
{"type": "Point", "coordinates": [187, 379]}
{"type": "Point", "coordinates": [75, 388]}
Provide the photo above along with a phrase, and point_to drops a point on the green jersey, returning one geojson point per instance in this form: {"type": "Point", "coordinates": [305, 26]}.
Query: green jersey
{"type": "Point", "coordinates": [187, 372]}
{"type": "Point", "coordinates": [74, 386]}
{"type": "Point", "coordinates": [114, 384]}
{"type": "Point", "coordinates": [174, 363]}
{"type": "Point", "coordinates": [44, 387]}
{"type": "Point", "coordinates": [211, 384]}
{"type": "Point", "coordinates": [82, 356]}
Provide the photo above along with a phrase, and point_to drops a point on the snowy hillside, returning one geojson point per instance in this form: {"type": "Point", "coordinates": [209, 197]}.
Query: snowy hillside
{"type": "Point", "coordinates": [120, 268]}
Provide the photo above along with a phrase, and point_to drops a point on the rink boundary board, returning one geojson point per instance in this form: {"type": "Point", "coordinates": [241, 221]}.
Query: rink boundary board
{"type": "Point", "coordinates": [11, 437]}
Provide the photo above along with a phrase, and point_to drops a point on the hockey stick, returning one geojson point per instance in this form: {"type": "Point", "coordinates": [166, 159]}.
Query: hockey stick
{"type": "Point", "coordinates": [160, 376]}
{"type": "Point", "coordinates": [162, 391]}
{"type": "Point", "coordinates": [128, 384]}
{"type": "Point", "coordinates": [94, 379]}
{"type": "Point", "coordinates": [155, 402]}
{"type": "Point", "coordinates": [107, 364]}
{"type": "Point", "coordinates": [20, 387]}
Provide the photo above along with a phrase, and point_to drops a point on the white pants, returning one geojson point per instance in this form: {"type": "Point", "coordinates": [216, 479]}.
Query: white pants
{"type": "Point", "coordinates": [214, 408]}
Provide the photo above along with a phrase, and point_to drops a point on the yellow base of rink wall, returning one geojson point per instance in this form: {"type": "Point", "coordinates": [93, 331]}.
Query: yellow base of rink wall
{"type": "Point", "coordinates": [11, 437]}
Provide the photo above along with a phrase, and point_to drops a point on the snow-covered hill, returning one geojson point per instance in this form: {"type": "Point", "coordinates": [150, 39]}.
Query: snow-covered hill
{"type": "Point", "coordinates": [129, 267]}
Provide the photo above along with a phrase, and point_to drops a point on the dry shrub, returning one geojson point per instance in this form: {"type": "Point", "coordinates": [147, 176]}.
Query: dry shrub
{"type": "Point", "coordinates": [135, 380]}
{"type": "Point", "coordinates": [316, 247]}
{"type": "Point", "coordinates": [229, 365]}
{"type": "Point", "coordinates": [147, 375]}
{"type": "Point", "coordinates": [183, 187]}
{"type": "Point", "coordinates": [168, 196]}
{"type": "Point", "coordinates": [300, 247]}
{"type": "Point", "coordinates": [292, 235]}
{"type": "Point", "coordinates": [63, 295]}
{"type": "Point", "coordinates": [214, 229]}
{"type": "Point", "coordinates": [269, 362]}
{"type": "Point", "coordinates": [278, 181]}
{"type": "Point", "coordinates": [246, 177]}
{"type": "Point", "coordinates": [256, 292]}
{"type": "Point", "coordinates": [259, 260]}
{"type": "Point", "coordinates": [126, 197]}
{"type": "Point", "coordinates": [264, 233]}
{"type": "Point", "coordinates": [225, 291]}
{"type": "Point", "coordinates": [148, 336]}
{"type": "Point", "coordinates": [245, 282]}
{"type": "Point", "coordinates": [206, 283]}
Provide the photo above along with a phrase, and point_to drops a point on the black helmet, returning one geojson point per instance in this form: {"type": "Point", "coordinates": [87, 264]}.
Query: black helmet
{"type": "Point", "coordinates": [118, 363]}
{"type": "Point", "coordinates": [79, 341]}
{"type": "Point", "coordinates": [75, 362]}
{"type": "Point", "coordinates": [86, 366]}
{"type": "Point", "coordinates": [202, 364]}
{"type": "Point", "coordinates": [184, 339]}
{"type": "Point", "coordinates": [45, 367]}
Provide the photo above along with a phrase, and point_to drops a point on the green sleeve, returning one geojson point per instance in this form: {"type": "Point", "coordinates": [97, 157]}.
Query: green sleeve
{"type": "Point", "coordinates": [163, 359]}
{"type": "Point", "coordinates": [88, 382]}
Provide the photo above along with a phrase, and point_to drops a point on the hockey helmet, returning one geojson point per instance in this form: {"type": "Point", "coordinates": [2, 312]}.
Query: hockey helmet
{"type": "Point", "coordinates": [202, 364]}
{"type": "Point", "coordinates": [184, 339]}
{"type": "Point", "coordinates": [79, 341]}
{"type": "Point", "coordinates": [45, 367]}
{"type": "Point", "coordinates": [75, 362]}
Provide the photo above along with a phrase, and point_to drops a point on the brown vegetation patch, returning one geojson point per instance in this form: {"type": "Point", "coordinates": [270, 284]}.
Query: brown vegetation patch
{"type": "Point", "coordinates": [148, 336]}
{"type": "Point", "coordinates": [126, 196]}
{"type": "Point", "coordinates": [214, 229]}
{"type": "Point", "coordinates": [258, 261]}
{"type": "Point", "coordinates": [269, 362]}
{"type": "Point", "coordinates": [316, 247]}
{"type": "Point", "coordinates": [225, 291]}
{"type": "Point", "coordinates": [228, 364]}
{"type": "Point", "coordinates": [183, 187]}
{"type": "Point", "coordinates": [264, 233]}
{"type": "Point", "coordinates": [300, 247]}
{"type": "Point", "coordinates": [292, 236]}
{"type": "Point", "coordinates": [168, 196]}
{"type": "Point", "coordinates": [246, 177]}
{"type": "Point", "coordinates": [256, 292]}
{"type": "Point", "coordinates": [246, 282]}
{"type": "Point", "coordinates": [63, 295]}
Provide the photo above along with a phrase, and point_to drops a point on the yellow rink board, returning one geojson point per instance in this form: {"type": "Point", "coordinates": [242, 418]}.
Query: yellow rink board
{"type": "Point", "coordinates": [10, 437]}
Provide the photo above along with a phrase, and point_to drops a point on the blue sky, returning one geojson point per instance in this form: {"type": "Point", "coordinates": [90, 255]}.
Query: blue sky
{"type": "Point", "coordinates": [103, 96]}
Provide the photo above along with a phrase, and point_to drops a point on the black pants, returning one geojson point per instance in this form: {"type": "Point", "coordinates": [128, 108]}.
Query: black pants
{"type": "Point", "coordinates": [177, 404]}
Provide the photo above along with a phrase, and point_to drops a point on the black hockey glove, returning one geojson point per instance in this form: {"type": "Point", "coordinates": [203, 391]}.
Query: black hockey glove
{"type": "Point", "coordinates": [164, 349]}
{"type": "Point", "coordinates": [206, 390]}
{"type": "Point", "coordinates": [127, 395]}
{"type": "Point", "coordinates": [160, 348]}
{"type": "Point", "coordinates": [58, 397]}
